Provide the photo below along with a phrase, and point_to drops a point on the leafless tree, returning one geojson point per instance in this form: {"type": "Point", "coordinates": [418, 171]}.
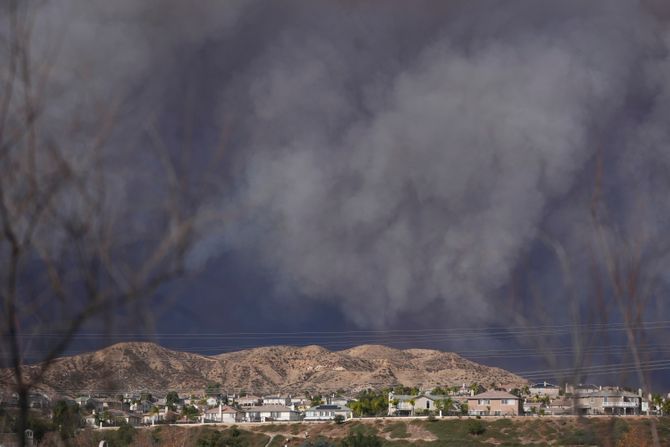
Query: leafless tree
{"type": "Point", "coordinates": [622, 286]}
{"type": "Point", "coordinates": [73, 250]}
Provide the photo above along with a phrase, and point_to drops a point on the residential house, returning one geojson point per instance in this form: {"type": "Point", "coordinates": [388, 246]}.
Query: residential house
{"type": "Point", "coordinates": [494, 403]}
{"type": "Point", "coordinates": [299, 403]}
{"type": "Point", "coordinates": [91, 419]}
{"type": "Point", "coordinates": [581, 388]}
{"type": "Point", "coordinates": [87, 402]}
{"type": "Point", "coordinates": [401, 404]}
{"type": "Point", "coordinates": [141, 407]}
{"type": "Point", "coordinates": [339, 400]}
{"type": "Point", "coordinates": [110, 403]}
{"type": "Point", "coordinates": [561, 406]}
{"type": "Point", "coordinates": [431, 403]}
{"type": "Point", "coordinates": [116, 417]}
{"type": "Point", "coordinates": [608, 402]}
{"type": "Point", "coordinates": [276, 400]}
{"type": "Point", "coordinates": [248, 401]}
{"type": "Point", "coordinates": [408, 405]}
{"type": "Point", "coordinates": [534, 407]}
{"type": "Point", "coordinates": [150, 418]}
{"type": "Point", "coordinates": [265, 413]}
{"type": "Point", "coordinates": [327, 412]}
{"type": "Point", "coordinates": [130, 397]}
{"type": "Point", "coordinates": [544, 389]}
{"type": "Point", "coordinates": [222, 414]}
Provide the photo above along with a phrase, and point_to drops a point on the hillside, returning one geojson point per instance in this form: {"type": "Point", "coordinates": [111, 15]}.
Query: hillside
{"type": "Point", "coordinates": [286, 369]}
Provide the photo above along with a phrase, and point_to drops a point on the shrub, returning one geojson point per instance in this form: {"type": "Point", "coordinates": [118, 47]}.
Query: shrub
{"type": "Point", "coordinates": [339, 419]}
{"type": "Point", "coordinates": [125, 434]}
{"type": "Point", "coordinates": [358, 439]}
{"type": "Point", "coordinates": [318, 442]}
{"type": "Point", "coordinates": [476, 427]}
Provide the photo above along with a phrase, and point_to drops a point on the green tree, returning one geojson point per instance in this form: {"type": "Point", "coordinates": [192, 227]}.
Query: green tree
{"type": "Point", "coordinates": [190, 412]}
{"type": "Point", "coordinates": [657, 400]}
{"type": "Point", "coordinates": [66, 418]}
{"type": "Point", "coordinates": [316, 400]}
{"type": "Point", "coordinates": [447, 405]}
{"type": "Point", "coordinates": [356, 408]}
{"type": "Point", "coordinates": [401, 389]}
{"type": "Point", "coordinates": [171, 400]}
{"type": "Point", "coordinates": [371, 403]}
{"type": "Point", "coordinates": [40, 427]}
{"type": "Point", "coordinates": [665, 408]}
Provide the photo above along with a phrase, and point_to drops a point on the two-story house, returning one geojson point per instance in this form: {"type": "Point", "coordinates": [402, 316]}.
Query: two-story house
{"type": "Point", "coordinates": [494, 403]}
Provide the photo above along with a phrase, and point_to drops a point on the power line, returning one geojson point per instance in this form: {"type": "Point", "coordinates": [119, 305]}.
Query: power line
{"type": "Point", "coordinates": [406, 333]}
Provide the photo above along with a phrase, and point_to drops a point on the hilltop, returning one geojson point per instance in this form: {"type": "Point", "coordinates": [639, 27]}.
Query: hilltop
{"type": "Point", "coordinates": [273, 369]}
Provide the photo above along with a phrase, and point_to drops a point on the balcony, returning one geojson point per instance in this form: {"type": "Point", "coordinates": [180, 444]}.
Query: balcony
{"type": "Point", "coordinates": [620, 404]}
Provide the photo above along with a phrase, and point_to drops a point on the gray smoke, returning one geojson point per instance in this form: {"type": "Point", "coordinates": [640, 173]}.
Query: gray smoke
{"type": "Point", "coordinates": [390, 156]}
{"type": "Point", "coordinates": [432, 179]}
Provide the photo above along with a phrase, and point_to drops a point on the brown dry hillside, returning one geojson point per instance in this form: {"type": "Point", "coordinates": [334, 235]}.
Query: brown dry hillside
{"type": "Point", "coordinates": [288, 369]}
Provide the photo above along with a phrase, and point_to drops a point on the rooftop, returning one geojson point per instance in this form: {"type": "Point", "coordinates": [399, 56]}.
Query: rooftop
{"type": "Point", "coordinates": [271, 408]}
{"type": "Point", "coordinates": [494, 395]}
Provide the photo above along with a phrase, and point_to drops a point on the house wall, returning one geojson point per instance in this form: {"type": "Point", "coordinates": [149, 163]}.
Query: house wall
{"type": "Point", "coordinates": [276, 401]}
{"type": "Point", "coordinates": [494, 407]}
{"type": "Point", "coordinates": [610, 405]}
{"type": "Point", "coordinates": [424, 404]}
{"type": "Point", "coordinates": [551, 392]}
{"type": "Point", "coordinates": [326, 414]}
{"type": "Point", "coordinates": [277, 416]}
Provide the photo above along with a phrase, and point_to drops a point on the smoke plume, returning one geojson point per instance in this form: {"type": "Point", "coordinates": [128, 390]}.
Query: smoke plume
{"type": "Point", "coordinates": [391, 155]}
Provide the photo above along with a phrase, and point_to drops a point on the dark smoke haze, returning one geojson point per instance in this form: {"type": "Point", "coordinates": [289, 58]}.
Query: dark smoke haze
{"type": "Point", "coordinates": [393, 158]}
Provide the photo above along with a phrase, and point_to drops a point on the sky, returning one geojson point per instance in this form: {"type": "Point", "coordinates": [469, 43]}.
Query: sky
{"type": "Point", "coordinates": [484, 177]}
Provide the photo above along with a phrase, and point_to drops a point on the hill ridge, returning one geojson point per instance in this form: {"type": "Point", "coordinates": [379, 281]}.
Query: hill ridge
{"type": "Point", "coordinates": [145, 365]}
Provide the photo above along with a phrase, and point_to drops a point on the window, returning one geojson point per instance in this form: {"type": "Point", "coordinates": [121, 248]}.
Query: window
{"type": "Point", "coordinates": [484, 402]}
{"type": "Point", "coordinates": [427, 405]}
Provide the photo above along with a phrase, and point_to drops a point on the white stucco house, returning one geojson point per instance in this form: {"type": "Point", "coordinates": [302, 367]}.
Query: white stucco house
{"type": "Point", "coordinates": [327, 412]}
{"type": "Point", "coordinates": [265, 413]}
{"type": "Point", "coordinates": [222, 414]}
